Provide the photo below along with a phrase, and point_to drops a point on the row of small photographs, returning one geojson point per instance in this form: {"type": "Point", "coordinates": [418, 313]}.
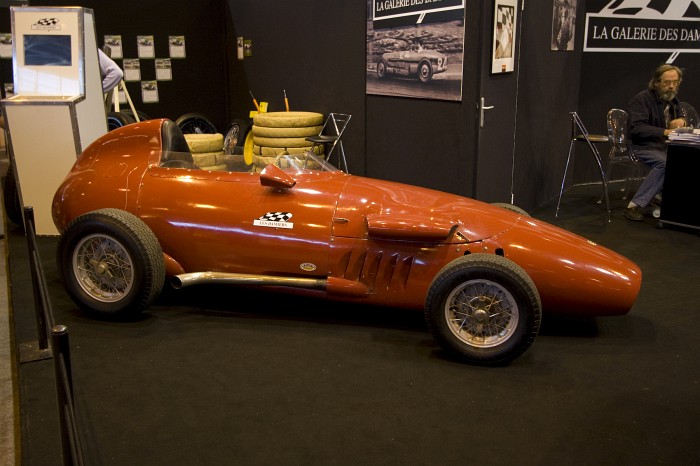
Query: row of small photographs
{"type": "Point", "coordinates": [146, 46]}
{"type": "Point", "coordinates": [132, 69]}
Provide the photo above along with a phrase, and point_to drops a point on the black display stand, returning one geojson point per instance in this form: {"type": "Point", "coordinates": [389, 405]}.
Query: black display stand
{"type": "Point", "coordinates": [681, 188]}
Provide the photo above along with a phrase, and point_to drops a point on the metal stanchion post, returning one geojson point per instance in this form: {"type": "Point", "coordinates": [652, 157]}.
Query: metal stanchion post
{"type": "Point", "coordinates": [29, 351]}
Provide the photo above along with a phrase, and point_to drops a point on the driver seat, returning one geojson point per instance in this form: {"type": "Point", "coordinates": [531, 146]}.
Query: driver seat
{"type": "Point", "coordinates": [174, 147]}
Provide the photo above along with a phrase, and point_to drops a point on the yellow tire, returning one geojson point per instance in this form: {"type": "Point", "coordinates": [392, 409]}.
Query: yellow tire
{"type": "Point", "coordinates": [206, 159]}
{"type": "Point", "coordinates": [288, 119]}
{"type": "Point", "coordinates": [199, 143]}
{"type": "Point", "coordinates": [295, 132]}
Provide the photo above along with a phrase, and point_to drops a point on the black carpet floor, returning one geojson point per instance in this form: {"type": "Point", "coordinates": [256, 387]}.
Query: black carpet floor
{"type": "Point", "coordinates": [225, 376]}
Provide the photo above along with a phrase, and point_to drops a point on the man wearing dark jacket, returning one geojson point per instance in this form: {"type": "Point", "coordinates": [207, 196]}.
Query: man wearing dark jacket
{"type": "Point", "coordinates": [653, 114]}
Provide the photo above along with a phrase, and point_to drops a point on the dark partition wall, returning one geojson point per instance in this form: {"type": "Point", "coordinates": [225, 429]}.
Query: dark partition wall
{"type": "Point", "coordinates": [198, 81]}
{"type": "Point", "coordinates": [312, 49]}
{"type": "Point", "coordinates": [548, 89]}
{"type": "Point", "coordinates": [316, 50]}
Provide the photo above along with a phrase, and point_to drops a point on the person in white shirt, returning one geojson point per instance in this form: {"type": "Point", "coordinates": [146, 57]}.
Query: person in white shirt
{"type": "Point", "coordinates": [110, 71]}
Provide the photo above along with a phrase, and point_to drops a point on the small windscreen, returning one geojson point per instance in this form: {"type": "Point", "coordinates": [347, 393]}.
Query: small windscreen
{"type": "Point", "coordinates": [47, 50]}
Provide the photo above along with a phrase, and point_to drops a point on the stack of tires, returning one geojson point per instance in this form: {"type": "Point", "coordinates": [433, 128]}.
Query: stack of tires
{"type": "Point", "coordinates": [207, 151]}
{"type": "Point", "coordinates": [276, 133]}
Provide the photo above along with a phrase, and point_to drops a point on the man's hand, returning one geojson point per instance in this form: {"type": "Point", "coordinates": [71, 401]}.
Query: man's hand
{"type": "Point", "coordinates": [677, 123]}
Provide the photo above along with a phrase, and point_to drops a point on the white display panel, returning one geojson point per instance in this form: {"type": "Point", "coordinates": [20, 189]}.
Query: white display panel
{"type": "Point", "coordinates": [58, 107]}
{"type": "Point", "coordinates": [48, 52]}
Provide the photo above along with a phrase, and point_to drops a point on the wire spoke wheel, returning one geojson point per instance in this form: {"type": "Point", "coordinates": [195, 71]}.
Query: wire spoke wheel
{"type": "Point", "coordinates": [103, 268]}
{"type": "Point", "coordinates": [483, 308]}
{"type": "Point", "coordinates": [481, 313]}
{"type": "Point", "coordinates": [111, 263]}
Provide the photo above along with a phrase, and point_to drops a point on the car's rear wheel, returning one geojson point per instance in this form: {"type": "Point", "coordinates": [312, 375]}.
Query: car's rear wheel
{"type": "Point", "coordinates": [111, 262]}
{"type": "Point", "coordinates": [484, 308]}
{"type": "Point", "coordinates": [381, 69]}
{"type": "Point", "coordinates": [425, 71]}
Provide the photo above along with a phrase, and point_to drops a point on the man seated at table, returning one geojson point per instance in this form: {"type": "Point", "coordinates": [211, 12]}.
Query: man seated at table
{"type": "Point", "coordinates": [653, 114]}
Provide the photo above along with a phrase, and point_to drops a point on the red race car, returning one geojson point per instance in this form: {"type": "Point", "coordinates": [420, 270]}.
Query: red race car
{"type": "Point", "coordinates": [134, 211]}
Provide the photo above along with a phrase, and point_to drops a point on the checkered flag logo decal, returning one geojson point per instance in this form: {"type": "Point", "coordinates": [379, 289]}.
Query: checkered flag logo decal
{"type": "Point", "coordinates": [276, 216]}
{"type": "Point", "coordinates": [274, 220]}
{"type": "Point", "coordinates": [47, 23]}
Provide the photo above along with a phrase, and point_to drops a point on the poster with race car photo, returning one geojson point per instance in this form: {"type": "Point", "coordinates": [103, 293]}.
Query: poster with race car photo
{"type": "Point", "coordinates": [415, 49]}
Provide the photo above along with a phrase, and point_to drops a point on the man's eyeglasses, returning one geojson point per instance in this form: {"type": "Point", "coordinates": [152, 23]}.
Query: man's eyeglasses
{"type": "Point", "coordinates": [667, 82]}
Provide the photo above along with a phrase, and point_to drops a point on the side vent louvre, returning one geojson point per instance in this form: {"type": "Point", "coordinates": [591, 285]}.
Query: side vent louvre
{"type": "Point", "coordinates": [377, 270]}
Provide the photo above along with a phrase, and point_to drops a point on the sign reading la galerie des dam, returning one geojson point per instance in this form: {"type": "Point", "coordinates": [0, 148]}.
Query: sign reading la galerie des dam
{"type": "Point", "coordinates": [630, 34]}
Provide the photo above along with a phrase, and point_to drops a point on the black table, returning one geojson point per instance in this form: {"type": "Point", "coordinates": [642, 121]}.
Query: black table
{"type": "Point", "coordinates": [681, 194]}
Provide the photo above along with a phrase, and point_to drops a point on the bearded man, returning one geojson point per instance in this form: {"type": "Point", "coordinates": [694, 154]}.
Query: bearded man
{"type": "Point", "coordinates": [653, 114]}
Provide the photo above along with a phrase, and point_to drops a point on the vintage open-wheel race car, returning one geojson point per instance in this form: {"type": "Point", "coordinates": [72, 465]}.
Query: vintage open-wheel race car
{"type": "Point", "coordinates": [134, 212]}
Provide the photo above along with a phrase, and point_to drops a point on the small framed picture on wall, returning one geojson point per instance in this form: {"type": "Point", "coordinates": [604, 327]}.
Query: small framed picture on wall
{"type": "Point", "coordinates": [563, 24]}
{"type": "Point", "coordinates": [505, 20]}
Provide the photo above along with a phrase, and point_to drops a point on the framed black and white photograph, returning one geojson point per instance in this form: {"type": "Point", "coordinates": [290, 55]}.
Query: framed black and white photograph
{"type": "Point", "coordinates": [505, 19]}
{"type": "Point", "coordinates": [415, 49]}
{"type": "Point", "coordinates": [563, 24]}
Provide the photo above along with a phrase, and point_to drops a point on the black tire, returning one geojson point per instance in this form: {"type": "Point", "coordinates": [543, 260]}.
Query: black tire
{"type": "Point", "coordinates": [11, 200]}
{"type": "Point", "coordinates": [196, 123]}
{"type": "Point", "coordinates": [483, 308]}
{"type": "Point", "coordinates": [381, 69]}
{"type": "Point", "coordinates": [111, 263]}
{"type": "Point", "coordinates": [425, 71]}
{"type": "Point", "coordinates": [512, 208]}
{"type": "Point", "coordinates": [118, 119]}
{"type": "Point", "coordinates": [142, 116]}
{"type": "Point", "coordinates": [235, 136]}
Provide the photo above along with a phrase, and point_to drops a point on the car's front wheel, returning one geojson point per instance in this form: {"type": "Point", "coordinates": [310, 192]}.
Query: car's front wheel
{"type": "Point", "coordinates": [484, 308]}
{"type": "Point", "coordinates": [111, 262]}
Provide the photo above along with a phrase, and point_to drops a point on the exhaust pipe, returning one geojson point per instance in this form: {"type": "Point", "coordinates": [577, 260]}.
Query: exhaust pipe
{"type": "Point", "coordinates": [332, 285]}
{"type": "Point", "coordinates": [197, 278]}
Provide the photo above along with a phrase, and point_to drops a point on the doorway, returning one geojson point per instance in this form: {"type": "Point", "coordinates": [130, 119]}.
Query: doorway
{"type": "Point", "coordinates": [497, 104]}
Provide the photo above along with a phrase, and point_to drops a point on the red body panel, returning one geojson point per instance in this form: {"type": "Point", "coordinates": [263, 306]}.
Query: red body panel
{"type": "Point", "coordinates": [391, 238]}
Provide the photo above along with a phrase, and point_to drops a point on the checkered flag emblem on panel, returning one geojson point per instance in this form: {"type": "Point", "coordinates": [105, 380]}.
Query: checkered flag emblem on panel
{"type": "Point", "coordinates": [504, 16]}
{"type": "Point", "coordinates": [276, 217]}
{"type": "Point", "coordinates": [47, 22]}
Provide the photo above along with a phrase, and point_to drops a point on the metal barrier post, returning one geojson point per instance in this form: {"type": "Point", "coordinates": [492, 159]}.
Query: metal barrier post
{"type": "Point", "coordinates": [29, 351]}
{"type": "Point", "coordinates": [70, 440]}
